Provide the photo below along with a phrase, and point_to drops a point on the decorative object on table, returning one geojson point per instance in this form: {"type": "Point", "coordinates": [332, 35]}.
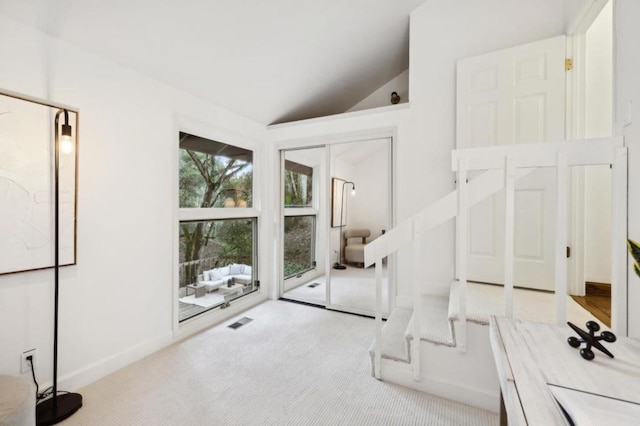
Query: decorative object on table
{"type": "Point", "coordinates": [26, 183]}
{"type": "Point", "coordinates": [591, 340]}
{"type": "Point", "coordinates": [343, 220]}
{"type": "Point", "coordinates": [63, 405]}
{"type": "Point", "coordinates": [395, 98]}
{"type": "Point", "coordinates": [634, 251]}
{"type": "Point", "coordinates": [231, 282]}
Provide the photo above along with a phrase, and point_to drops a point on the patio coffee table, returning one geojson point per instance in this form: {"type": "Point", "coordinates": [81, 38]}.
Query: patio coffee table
{"type": "Point", "coordinates": [199, 290]}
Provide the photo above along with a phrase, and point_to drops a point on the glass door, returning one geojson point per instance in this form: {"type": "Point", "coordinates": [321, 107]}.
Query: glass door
{"type": "Point", "coordinates": [304, 245]}
{"type": "Point", "coordinates": [360, 211]}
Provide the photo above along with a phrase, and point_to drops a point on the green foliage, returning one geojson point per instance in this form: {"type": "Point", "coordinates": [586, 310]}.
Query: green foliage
{"type": "Point", "coordinates": [207, 181]}
{"type": "Point", "coordinates": [298, 240]}
{"type": "Point", "coordinates": [293, 268]}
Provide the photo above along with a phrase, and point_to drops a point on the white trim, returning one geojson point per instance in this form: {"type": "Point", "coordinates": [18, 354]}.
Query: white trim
{"type": "Point", "coordinates": [583, 20]}
{"type": "Point", "coordinates": [217, 214]}
{"type": "Point", "coordinates": [280, 223]}
{"type": "Point", "coordinates": [299, 211]}
{"type": "Point", "coordinates": [582, 152]}
{"type": "Point", "coordinates": [345, 115]}
{"type": "Point", "coordinates": [327, 226]}
{"type": "Point", "coordinates": [175, 227]}
{"type": "Point", "coordinates": [337, 138]}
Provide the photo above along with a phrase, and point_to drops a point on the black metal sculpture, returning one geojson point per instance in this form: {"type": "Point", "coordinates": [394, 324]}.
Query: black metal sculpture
{"type": "Point", "coordinates": [590, 339]}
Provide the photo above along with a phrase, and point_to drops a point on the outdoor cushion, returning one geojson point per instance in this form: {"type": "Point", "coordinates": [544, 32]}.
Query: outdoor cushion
{"type": "Point", "coordinates": [235, 269]}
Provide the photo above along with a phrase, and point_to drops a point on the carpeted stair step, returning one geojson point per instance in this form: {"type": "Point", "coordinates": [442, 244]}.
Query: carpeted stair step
{"type": "Point", "coordinates": [394, 343]}
{"type": "Point", "coordinates": [435, 324]}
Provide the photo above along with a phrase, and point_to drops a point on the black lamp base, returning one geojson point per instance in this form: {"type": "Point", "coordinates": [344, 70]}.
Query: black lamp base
{"type": "Point", "coordinates": [339, 266]}
{"type": "Point", "coordinates": [66, 405]}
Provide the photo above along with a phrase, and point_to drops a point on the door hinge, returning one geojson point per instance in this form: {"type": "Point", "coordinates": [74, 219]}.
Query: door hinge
{"type": "Point", "coordinates": [568, 252]}
{"type": "Point", "coordinates": [568, 64]}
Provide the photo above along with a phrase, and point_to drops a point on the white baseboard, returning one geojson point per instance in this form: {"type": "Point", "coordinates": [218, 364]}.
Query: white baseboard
{"type": "Point", "coordinates": [99, 369]}
{"type": "Point", "coordinates": [92, 372]}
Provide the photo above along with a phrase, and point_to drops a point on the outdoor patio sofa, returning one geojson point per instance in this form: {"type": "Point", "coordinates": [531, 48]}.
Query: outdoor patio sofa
{"type": "Point", "coordinates": [218, 277]}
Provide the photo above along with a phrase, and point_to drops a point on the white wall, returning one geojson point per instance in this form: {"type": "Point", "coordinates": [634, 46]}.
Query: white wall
{"type": "Point", "coordinates": [598, 111]}
{"type": "Point", "coordinates": [117, 304]}
{"type": "Point", "coordinates": [443, 31]}
{"type": "Point", "coordinates": [382, 95]}
{"type": "Point", "coordinates": [372, 201]}
{"type": "Point", "coordinates": [627, 123]}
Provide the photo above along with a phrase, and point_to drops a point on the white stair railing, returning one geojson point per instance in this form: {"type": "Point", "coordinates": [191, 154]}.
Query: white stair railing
{"type": "Point", "coordinates": [417, 297]}
{"type": "Point", "coordinates": [503, 166]}
{"type": "Point", "coordinates": [561, 238]}
{"type": "Point", "coordinates": [461, 253]}
{"type": "Point", "coordinates": [509, 190]}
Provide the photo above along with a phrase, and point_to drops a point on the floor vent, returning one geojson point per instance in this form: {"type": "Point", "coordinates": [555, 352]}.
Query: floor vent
{"type": "Point", "coordinates": [240, 322]}
{"type": "Point", "coordinates": [314, 285]}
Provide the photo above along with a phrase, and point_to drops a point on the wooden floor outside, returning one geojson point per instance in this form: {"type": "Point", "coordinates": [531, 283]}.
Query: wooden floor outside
{"type": "Point", "coordinates": [597, 300]}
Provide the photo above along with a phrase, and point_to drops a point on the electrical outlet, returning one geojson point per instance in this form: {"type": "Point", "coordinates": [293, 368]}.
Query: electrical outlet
{"type": "Point", "coordinates": [25, 365]}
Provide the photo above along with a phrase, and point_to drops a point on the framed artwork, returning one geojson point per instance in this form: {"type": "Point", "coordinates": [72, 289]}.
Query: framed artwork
{"type": "Point", "coordinates": [27, 168]}
{"type": "Point", "coordinates": [337, 185]}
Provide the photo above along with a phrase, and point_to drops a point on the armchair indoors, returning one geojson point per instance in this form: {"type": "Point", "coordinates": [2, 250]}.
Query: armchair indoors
{"type": "Point", "coordinates": [354, 248]}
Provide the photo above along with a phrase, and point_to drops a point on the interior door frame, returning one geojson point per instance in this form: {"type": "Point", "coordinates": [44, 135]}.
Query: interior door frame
{"type": "Point", "coordinates": [575, 128]}
{"type": "Point", "coordinates": [326, 141]}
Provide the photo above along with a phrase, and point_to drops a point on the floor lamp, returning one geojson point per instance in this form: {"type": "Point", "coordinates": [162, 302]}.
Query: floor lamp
{"type": "Point", "coordinates": [339, 265]}
{"type": "Point", "coordinates": [58, 407]}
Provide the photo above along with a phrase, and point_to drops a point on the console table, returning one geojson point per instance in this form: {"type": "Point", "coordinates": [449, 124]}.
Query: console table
{"type": "Point", "coordinates": [531, 356]}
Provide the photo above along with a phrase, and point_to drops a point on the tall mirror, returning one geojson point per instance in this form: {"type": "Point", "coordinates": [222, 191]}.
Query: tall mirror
{"type": "Point", "coordinates": [361, 211]}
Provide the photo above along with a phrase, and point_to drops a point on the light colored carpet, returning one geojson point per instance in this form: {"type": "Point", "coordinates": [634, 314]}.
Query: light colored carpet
{"type": "Point", "coordinates": [351, 288]}
{"type": "Point", "coordinates": [292, 365]}
{"type": "Point", "coordinates": [206, 301]}
{"type": "Point", "coordinates": [484, 300]}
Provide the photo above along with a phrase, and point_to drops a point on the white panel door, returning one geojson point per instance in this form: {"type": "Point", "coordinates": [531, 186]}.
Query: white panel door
{"type": "Point", "coordinates": [506, 97]}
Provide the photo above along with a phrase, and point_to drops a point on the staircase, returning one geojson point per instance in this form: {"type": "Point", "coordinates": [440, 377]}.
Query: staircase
{"type": "Point", "coordinates": [453, 357]}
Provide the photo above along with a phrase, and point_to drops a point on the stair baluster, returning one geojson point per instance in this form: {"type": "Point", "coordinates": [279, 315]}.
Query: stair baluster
{"type": "Point", "coordinates": [509, 188]}
{"type": "Point", "coordinates": [461, 249]}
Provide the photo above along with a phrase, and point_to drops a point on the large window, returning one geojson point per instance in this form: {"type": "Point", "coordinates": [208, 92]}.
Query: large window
{"type": "Point", "coordinates": [299, 217]}
{"type": "Point", "coordinates": [217, 250]}
{"type": "Point", "coordinates": [213, 174]}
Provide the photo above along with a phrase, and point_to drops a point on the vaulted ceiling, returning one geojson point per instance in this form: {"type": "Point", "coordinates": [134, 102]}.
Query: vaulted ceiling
{"type": "Point", "coordinates": [269, 60]}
